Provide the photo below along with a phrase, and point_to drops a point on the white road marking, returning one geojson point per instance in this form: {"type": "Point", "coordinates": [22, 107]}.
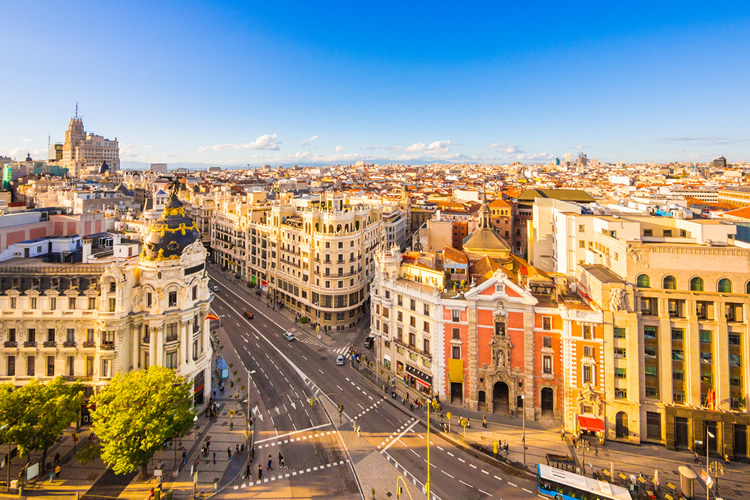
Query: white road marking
{"type": "Point", "coordinates": [399, 436]}
{"type": "Point", "coordinates": [447, 474]}
{"type": "Point", "coordinates": [451, 454]}
{"type": "Point", "coordinates": [487, 493]}
{"type": "Point", "coordinates": [512, 484]}
{"type": "Point", "coordinates": [498, 478]}
{"type": "Point", "coordinates": [467, 484]}
{"type": "Point", "coordinates": [462, 460]}
{"type": "Point", "coordinates": [527, 491]}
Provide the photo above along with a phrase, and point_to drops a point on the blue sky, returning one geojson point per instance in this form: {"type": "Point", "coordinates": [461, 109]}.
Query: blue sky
{"type": "Point", "coordinates": [324, 82]}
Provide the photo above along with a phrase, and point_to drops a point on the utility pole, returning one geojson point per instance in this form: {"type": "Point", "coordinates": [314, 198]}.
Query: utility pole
{"type": "Point", "coordinates": [523, 439]}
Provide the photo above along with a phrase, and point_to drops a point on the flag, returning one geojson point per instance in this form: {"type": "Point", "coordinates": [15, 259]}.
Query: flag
{"type": "Point", "coordinates": [711, 399]}
{"type": "Point", "coordinates": [212, 316]}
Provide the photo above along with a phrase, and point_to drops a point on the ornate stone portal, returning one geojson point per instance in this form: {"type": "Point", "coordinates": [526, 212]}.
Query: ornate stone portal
{"type": "Point", "coordinates": [590, 402]}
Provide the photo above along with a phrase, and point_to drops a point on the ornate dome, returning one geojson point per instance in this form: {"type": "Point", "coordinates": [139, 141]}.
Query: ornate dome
{"type": "Point", "coordinates": [168, 236]}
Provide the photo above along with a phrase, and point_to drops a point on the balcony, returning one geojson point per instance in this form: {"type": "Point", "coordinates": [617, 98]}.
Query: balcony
{"type": "Point", "coordinates": [88, 345]}
{"type": "Point", "coordinates": [29, 343]}
{"type": "Point", "coordinates": [50, 343]}
{"type": "Point", "coordinates": [69, 344]}
{"type": "Point", "coordinates": [11, 343]}
{"type": "Point", "coordinates": [107, 346]}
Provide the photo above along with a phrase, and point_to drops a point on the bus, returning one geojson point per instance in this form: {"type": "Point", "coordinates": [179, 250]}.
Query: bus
{"type": "Point", "coordinates": [562, 485]}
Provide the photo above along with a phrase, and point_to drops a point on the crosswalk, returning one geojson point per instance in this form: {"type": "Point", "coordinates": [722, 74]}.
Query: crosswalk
{"type": "Point", "coordinates": [344, 350]}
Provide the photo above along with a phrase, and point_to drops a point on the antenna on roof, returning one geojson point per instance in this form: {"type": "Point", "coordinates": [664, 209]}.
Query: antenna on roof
{"type": "Point", "coordinates": [76, 109]}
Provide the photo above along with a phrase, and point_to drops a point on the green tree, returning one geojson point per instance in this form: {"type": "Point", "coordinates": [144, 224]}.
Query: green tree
{"type": "Point", "coordinates": [137, 413]}
{"type": "Point", "coordinates": [37, 413]}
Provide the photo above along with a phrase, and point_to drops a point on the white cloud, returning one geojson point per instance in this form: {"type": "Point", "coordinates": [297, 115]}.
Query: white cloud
{"type": "Point", "coordinates": [535, 156]}
{"type": "Point", "coordinates": [507, 148]}
{"type": "Point", "coordinates": [416, 147]}
{"type": "Point", "coordinates": [25, 140]}
{"type": "Point", "coordinates": [267, 142]}
{"type": "Point", "coordinates": [580, 146]}
{"type": "Point", "coordinates": [440, 146]}
{"type": "Point", "coordinates": [373, 147]}
{"type": "Point", "coordinates": [308, 141]}
{"type": "Point", "coordinates": [339, 149]}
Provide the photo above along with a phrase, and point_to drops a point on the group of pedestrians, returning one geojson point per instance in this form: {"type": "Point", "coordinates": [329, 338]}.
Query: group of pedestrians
{"type": "Point", "coordinates": [282, 465]}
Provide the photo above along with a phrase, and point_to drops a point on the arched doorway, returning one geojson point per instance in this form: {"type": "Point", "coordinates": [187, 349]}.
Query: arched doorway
{"type": "Point", "coordinates": [500, 397]}
{"type": "Point", "coordinates": [621, 425]}
{"type": "Point", "coordinates": [482, 400]}
{"type": "Point", "coordinates": [548, 402]}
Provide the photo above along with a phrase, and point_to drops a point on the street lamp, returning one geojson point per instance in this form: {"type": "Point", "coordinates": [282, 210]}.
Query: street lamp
{"type": "Point", "coordinates": [523, 439]}
{"type": "Point", "coordinates": [708, 468]}
{"type": "Point", "coordinates": [434, 403]}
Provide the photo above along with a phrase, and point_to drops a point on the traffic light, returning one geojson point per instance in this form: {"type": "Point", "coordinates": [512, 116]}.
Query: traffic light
{"type": "Point", "coordinates": [311, 401]}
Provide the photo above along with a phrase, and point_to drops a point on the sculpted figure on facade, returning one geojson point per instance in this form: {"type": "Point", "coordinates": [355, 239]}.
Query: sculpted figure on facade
{"type": "Point", "coordinates": [618, 300]}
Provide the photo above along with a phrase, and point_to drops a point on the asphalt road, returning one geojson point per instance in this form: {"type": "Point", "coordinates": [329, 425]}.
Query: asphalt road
{"type": "Point", "coordinates": [287, 374]}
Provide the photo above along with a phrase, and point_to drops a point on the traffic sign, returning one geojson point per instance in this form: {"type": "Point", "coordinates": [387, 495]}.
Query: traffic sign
{"type": "Point", "coordinates": [449, 415]}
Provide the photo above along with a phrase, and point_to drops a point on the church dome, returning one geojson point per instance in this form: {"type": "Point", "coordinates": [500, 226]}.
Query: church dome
{"type": "Point", "coordinates": [168, 236]}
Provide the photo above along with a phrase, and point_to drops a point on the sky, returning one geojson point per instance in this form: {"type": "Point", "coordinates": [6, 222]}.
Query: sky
{"type": "Point", "coordinates": [308, 83]}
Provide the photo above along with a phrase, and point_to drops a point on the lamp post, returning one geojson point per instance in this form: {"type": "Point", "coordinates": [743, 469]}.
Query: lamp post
{"type": "Point", "coordinates": [248, 394]}
{"type": "Point", "coordinates": [523, 439]}
{"type": "Point", "coordinates": [434, 404]}
{"type": "Point", "coordinates": [708, 469]}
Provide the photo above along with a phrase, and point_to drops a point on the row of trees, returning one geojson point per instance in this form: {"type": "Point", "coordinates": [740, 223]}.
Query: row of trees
{"type": "Point", "coordinates": [132, 417]}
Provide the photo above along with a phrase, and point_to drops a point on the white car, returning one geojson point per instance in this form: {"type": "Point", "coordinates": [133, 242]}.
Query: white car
{"type": "Point", "coordinates": [214, 288]}
{"type": "Point", "coordinates": [289, 336]}
{"type": "Point", "coordinates": [340, 360]}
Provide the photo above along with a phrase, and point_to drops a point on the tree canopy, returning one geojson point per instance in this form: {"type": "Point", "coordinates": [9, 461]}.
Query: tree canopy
{"type": "Point", "coordinates": [37, 413]}
{"type": "Point", "coordinates": [137, 413]}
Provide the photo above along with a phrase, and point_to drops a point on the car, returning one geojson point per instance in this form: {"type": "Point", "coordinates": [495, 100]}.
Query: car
{"type": "Point", "coordinates": [249, 315]}
{"type": "Point", "coordinates": [289, 336]}
{"type": "Point", "coordinates": [369, 341]}
{"type": "Point", "coordinates": [340, 360]}
{"type": "Point", "coordinates": [214, 288]}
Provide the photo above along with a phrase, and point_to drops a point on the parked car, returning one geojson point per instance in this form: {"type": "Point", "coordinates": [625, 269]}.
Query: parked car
{"type": "Point", "coordinates": [289, 336]}
{"type": "Point", "coordinates": [249, 315]}
{"type": "Point", "coordinates": [340, 360]}
{"type": "Point", "coordinates": [214, 288]}
{"type": "Point", "coordinates": [369, 341]}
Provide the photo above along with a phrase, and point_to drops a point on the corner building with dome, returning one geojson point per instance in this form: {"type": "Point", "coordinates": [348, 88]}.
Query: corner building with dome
{"type": "Point", "coordinates": [90, 321]}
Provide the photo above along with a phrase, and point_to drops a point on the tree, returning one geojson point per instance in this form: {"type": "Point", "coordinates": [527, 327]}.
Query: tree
{"type": "Point", "coordinates": [137, 413]}
{"type": "Point", "coordinates": [37, 413]}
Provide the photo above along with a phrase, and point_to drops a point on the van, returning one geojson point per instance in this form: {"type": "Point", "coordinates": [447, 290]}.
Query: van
{"type": "Point", "coordinates": [369, 341]}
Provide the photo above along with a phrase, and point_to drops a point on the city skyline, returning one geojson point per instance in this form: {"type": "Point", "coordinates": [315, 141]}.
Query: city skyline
{"type": "Point", "coordinates": [219, 85]}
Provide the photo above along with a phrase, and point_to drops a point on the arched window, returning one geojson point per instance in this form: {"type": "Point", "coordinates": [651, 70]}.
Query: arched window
{"type": "Point", "coordinates": [747, 288]}
{"type": "Point", "coordinates": [330, 228]}
{"type": "Point", "coordinates": [356, 225]}
{"type": "Point", "coordinates": [643, 281]}
{"type": "Point", "coordinates": [724, 286]}
{"type": "Point", "coordinates": [669, 283]}
{"type": "Point", "coordinates": [696, 284]}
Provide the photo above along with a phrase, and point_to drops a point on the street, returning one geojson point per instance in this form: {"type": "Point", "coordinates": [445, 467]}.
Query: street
{"type": "Point", "coordinates": [287, 374]}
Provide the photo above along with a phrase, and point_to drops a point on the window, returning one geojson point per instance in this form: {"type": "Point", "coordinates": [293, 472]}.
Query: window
{"type": "Point", "coordinates": [648, 232]}
{"type": "Point", "coordinates": [148, 299]}
{"type": "Point", "coordinates": [53, 303]}
{"type": "Point", "coordinates": [385, 328]}
{"type": "Point", "coordinates": [669, 283]}
{"type": "Point", "coordinates": [195, 350]}
{"type": "Point", "coordinates": [413, 305]}
{"type": "Point", "coordinates": [651, 371]}
{"type": "Point", "coordinates": [652, 392]}
{"type": "Point", "coordinates": [620, 352]}
{"type": "Point", "coordinates": [11, 334]}
{"type": "Point", "coordinates": [71, 302]}
{"type": "Point", "coordinates": [456, 334]}
{"type": "Point", "coordinates": [426, 345]}
{"type": "Point", "coordinates": [619, 332]}
{"type": "Point", "coordinates": [678, 375]}
{"type": "Point", "coordinates": [581, 228]}
{"type": "Point", "coordinates": [89, 366]}
{"type": "Point", "coordinates": [32, 303]}
{"type": "Point", "coordinates": [171, 360]}
{"type": "Point", "coordinates": [643, 281]}
{"type": "Point", "coordinates": [678, 355]}
{"type": "Point", "coordinates": [386, 312]}
{"type": "Point", "coordinates": [705, 336]}
{"type": "Point", "coordinates": [105, 368]}
{"type": "Point", "coordinates": [547, 365]}
{"type": "Point", "coordinates": [31, 335]}
{"type": "Point", "coordinates": [413, 321]}
{"type": "Point", "coordinates": [734, 339]}
{"type": "Point", "coordinates": [588, 351]}
{"type": "Point", "coordinates": [90, 335]}
{"type": "Point", "coordinates": [71, 335]}
{"type": "Point", "coordinates": [195, 293]}
{"type": "Point", "coordinates": [679, 396]}
{"type": "Point", "coordinates": [724, 286]}
{"type": "Point", "coordinates": [707, 378]}
{"type": "Point", "coordinates": [650, 352]}
{"type": "Point", "coordinates": [456, 315]}
{"type": "Point", "coordinates": [587, 374]}
{"type": "Point", "coordinates": [587, 332]}
{"type": "Point", "coordinates": [455, 352]}
{"type": "Point", "coordinates": [400, 299]}
{"type": "Point", "coordinates": [50, 334]}
{"type": "Point", "coordinates": [412, 339]}
{"type": "Point", "coordinates": [112, 304]}
{"type": "Point", "coordinates": [426, 327]}
{"type": "Point", "coordinates": [706, 358]}
{"type": "Point", "coordinates": [13, 302]}
{"type": "Point", "coordinates": [172, 299]}
{"type": "Point", "coordinates": [30, 361]}
{"type": "Point", "coordinates": [547, 342]}
{"type": "Point", "coordinates": [678, 334]}
{"type": "Point", "coordinates": [667, 233]}
{"type": "Point", "coordinates": [11, 366]}
{"type": "Point", "coordinates": [734, 381]}
{"type": "Point", "coordinates": [50, 366]}
{"type": "Point", "coordinates": [649, 332]}
{"type": "Point", "coordinates": [546, 322]}
{"type": "Point", "coordinates": [171, 332]}
{"type": "Point", "coordinates": [92, 303]}
{"type": "Point", "coordinates": [621, 393]}
{"type": "Point", "coordinates": [621, 373]}
{"type": "Point", "coordinates": [696, 284]}
{"type": "Point", "coordinates": [582, 244]}
{"type": "Point", "coordinates": [735, 360]}
{"type": "Point", "coordinates": [400, 334]}
{"type": "Point", "coordinates": [399, 316]}
{"type": "Point", "coordinates": [426, 310]}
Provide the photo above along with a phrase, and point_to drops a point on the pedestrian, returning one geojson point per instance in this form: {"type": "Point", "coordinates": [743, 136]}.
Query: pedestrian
{"type": "Point", "coordinates": [726, 458]}
{"type": "Point", "coordinates": [214, 391]}
{"type": "Point", "coordinates": [91, 436]}
{"type": "Point", "coordinates": [484, 421]}
{"type": "Point", "coordinates": [214, 458]}
{"type": "Point", "coordinates": [229, 454]}
{"type": "Point", "coordinates": [247, 471]}
{"type": "Point", "coordinates": [260, 472]}
{"type": "Point", "coordinates": [51, 475]}
{"type": "Point", "coordinates": [237, 448]}
{"type": "Point", "coordinates": [184, 457]}
{"type": "Point", "coordinates": [281, 461]}
{"type": "Point", "coordinates": [57, 471]}
{"type": "Point", "coordinates": [57, 458]}
{"type": "Point", "coordinates": [696, 458]}
{"type": "Point", "coordinates": [270, 462]}
{"type": "Point", "coordinates": [562, 433]}
{"type": "Point", "coordinates": [150, 494]}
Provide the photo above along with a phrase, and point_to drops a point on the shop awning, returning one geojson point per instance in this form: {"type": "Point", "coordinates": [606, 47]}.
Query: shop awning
{"type": "Point", "coordinates": [456, 370]}
{"type": "Point", "coordinates": [591, 424]}
{"type": "Point", "coordinates": [421, 376]}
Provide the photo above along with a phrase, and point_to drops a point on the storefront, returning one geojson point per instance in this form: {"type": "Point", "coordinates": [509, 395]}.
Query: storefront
{"type": "Point", "coordinates": [198, 385]}
{"type": "Point", "coordinates": [418, 379]}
